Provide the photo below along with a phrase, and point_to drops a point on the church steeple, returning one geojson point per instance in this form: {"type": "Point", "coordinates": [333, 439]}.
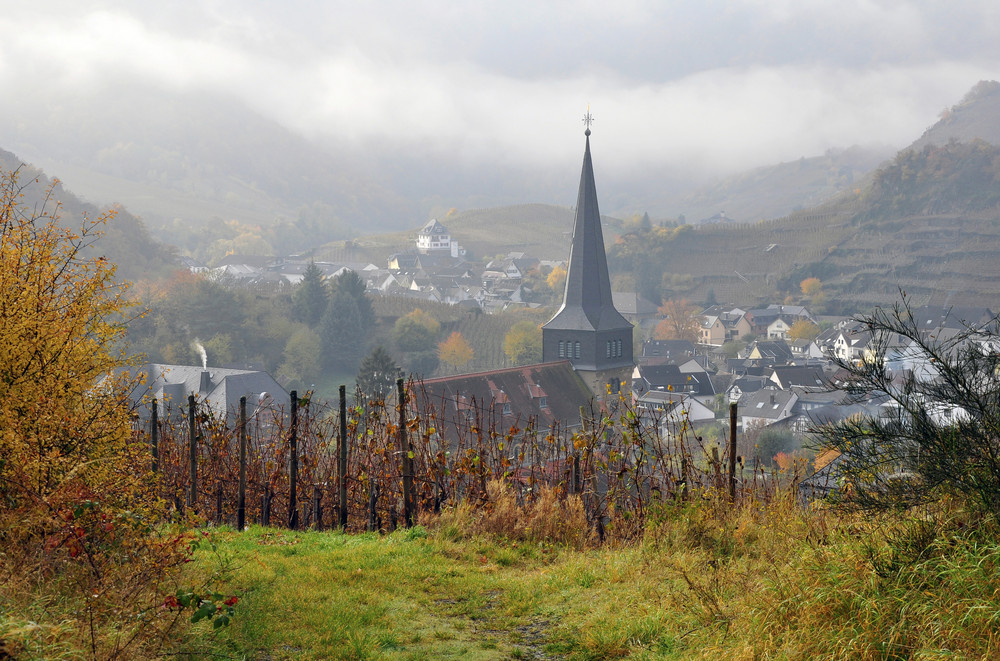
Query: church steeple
{"type": "Point", "coordinates": [587, 329]}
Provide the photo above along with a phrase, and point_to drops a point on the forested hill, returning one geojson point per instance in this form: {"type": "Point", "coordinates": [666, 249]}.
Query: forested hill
{"type": "Point", "coordinates": [976, 116]}
{"type": "Point", "coordinates": [928, 222]}
{"type": "Point", "coordinates": [126, 240]}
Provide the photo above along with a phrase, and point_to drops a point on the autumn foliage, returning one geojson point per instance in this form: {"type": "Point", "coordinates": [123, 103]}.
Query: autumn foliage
{"type": "Point", "coordinates": [76, 497]}
{"type": "Point", "coordinates": [680, 321]}
{"type": "Point", "coordinates": [455, 351]}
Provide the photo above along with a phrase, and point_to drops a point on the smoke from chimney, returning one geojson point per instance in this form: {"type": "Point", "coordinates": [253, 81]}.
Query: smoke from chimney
{"type": "Point", "coordinates": [201, 350]}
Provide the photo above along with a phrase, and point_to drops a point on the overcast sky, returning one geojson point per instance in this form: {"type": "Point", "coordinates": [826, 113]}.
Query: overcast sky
{"type": "Point", "coordinates": [698, 84]}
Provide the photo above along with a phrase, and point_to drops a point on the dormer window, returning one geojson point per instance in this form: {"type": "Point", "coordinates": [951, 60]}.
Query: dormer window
{"type": "Point", "coordinates": [543, 402]}
{"type": "Point", "coordinates": [506, 408]}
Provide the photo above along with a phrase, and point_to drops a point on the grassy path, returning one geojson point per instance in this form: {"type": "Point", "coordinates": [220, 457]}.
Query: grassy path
{"type": "Point", "coordinates": [410, 595]}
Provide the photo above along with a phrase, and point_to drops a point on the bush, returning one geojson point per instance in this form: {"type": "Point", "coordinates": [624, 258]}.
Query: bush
{"type": "Point", "coordinates": [77, 498]}
{"type": "Point", "coordinates": [939, 430]}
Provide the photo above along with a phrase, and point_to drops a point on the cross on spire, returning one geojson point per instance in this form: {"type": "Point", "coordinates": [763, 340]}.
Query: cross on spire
{"type": "Point", "coordinates": [588, 119]}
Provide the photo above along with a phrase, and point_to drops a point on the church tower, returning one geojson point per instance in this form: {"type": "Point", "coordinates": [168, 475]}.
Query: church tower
{"type": "Point", "coordinates": [588, 330]}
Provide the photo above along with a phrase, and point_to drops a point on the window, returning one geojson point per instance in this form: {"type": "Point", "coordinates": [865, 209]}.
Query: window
{"type": "Point", "coordinates": [562, 349]}
{"type": "Point", "coordinates": [619, 342]}
{"type": "Point", "coordinates": [609, 349]}
{"type": "Point", "coordinates": [543, 402]}
{"type": "Point", "coordinates": [506, 408]}
{"type": "Point", "coordinates": [576, 349]}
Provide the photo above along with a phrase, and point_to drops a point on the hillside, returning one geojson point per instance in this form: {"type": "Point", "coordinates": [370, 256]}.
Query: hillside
{"type": "Point", "coordinates": [975, 116]}
{"type": "Point", "coordinates": [928, 223]}
{"type": "Point", "coordinates": [541, 230]}
{"type": "Point", "coordinates": [196, 157]}
{"type": "Point", "coordinates": [778, 190]}
{"type": "Point", "coordinates": [126, 241]}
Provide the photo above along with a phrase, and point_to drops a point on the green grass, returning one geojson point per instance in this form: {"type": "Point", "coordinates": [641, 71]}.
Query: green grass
{"type": "Point", "coordinates": [788, 584]}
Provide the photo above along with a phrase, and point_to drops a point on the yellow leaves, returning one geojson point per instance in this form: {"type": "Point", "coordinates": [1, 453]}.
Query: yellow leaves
{"type": "Point", "coordinates": [59, 329]}
{"type": "Point", "coordinates": [455, 350]}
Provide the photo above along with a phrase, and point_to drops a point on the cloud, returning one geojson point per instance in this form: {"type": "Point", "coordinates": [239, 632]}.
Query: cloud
{"type": "Point", "coordinates": [724, 85]}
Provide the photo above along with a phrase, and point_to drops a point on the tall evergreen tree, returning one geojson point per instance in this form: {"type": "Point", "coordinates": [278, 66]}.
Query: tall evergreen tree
{"type": "Point", "coordinates": [351, 284]}
{"type": "Point", "coordinates": [342, 335]}
{"type": "Point", "coordinates": [311, 298]}
{"type": "Point", "coordinates": [377, 374]}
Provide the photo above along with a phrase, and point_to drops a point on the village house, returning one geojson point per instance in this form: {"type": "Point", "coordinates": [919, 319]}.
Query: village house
{"type": "Point", "coordinates": [765, 407]}
{"type": "Point", "coordinates": [216, 388]}
{"type": "Point", "coordinates": [434, 238]}
{"type": "Point", "coordinates": [721, 324]}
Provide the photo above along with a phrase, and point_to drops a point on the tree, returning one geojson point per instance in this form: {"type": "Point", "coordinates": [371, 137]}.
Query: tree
{"type": "Point", "coordinates": [680, 321]}
{"type": "Point", "coordinates": [523, 343]}
{"type": "Point", "coordinates": [803, 329]}
{"type": "Point", "coordinates": [377, 374]}
{"type": "Point", "coordinates": [811, 286]}
{"type": "Point", "coordinates": [939, 435]}
{"type": "Point", "coordinates": [61, 331]}
{"type": "Point", "coordinates": [422, 363]}
{"type": "Point", "coordinates": [79, 508]}
{"type": "Point", "coordinates": [351, 284]}
{"type": "Point", "coordinates": [415, 331]}
{"type": "Point", "coordinates": [342, 334]}
{"type": "Point", "coordinates": [311, 296]}
{"type": "Point", "coordinates": [301, 354]}
{"type": "Point", "coordinates": [556, 280]}
{"type": "Point", "coordinates": [455, 350]}
{"type": "Point", "coordinates": [772, 441]}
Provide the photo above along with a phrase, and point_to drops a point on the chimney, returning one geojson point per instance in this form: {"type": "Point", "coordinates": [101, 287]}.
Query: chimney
{"type": "Point", "coordinates": [206, 382]}
{"type": "Point", "coordinates": [772, 398]}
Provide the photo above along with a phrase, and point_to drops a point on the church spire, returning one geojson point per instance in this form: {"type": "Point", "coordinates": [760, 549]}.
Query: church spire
{"type": "Point", "coordinates": [588, 329]}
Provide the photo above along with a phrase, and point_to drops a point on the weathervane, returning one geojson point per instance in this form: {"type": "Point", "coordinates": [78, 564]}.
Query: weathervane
{"type": "Point", "coordinates": [588, 119]}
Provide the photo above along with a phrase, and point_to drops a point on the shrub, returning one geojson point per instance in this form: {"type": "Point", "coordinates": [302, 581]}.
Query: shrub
{"type": "Point", "coordinates": [939, 430]}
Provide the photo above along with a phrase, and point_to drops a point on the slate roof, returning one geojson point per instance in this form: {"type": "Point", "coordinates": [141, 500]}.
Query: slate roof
{"type": "Point", "coordinates": [220, 388]}
{"type": "Point", "coordinates": [587, 302]}
{"type": "Point", "coordinates": [787, 376]}
{"type": "Point", "coordinates": [630, 302]}
{"type": "Point", "coordinates": [776, 350]}
{"type": "Point", "coordinates": [767, 403]}
{"type": "Point", "coordinates": [929, 317]}
{"type": "Point", "coordinates": [668, 348]}
{"type": "Point", "coordinates": [671, 378]}
{"type": "Point", "coordinates": [433, 227]}
{"type": "Point", "coordinates": [550, 393]}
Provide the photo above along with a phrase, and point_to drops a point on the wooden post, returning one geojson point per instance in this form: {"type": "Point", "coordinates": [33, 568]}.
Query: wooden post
{"type": "Point", "coordinates": [154, 435]}
{"type": "Point", "coordinates": [372, 505]}
{"type": "Point", "coordinates": [293, 464]}
{"type": "Point", "coordinates": [342, 462]}
{"type": "Point", "coordinates": [317, 511]}
{"type": "Point", "coordinates": [405, 451]}
{"type": "Point", "coordinates": [265, 507]}
{"type": "Point", "coordinates": [218, 503]}
{"type": "Point", "coordinates": [192, 455]}
{"type": "Point", "coordinates": [577, 478]}
{"type": "Point", "coordinates": [716, 469]}
{"type": "Point", "coordinates": [732, 451]}
{"type": "Point", "coordinates": [241, 496]}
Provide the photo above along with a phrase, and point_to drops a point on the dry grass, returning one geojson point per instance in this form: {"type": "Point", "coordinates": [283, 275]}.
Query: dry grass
{"type": "Point", "coordinates": [549, 517]}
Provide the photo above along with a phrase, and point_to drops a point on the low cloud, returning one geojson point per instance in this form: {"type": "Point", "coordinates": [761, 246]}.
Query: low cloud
{"type": "Point", "coordinates": [478, 106]}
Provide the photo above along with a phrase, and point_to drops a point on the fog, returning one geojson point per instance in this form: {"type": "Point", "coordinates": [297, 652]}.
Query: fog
{"type": "Point", "coordinates": [713, 88]}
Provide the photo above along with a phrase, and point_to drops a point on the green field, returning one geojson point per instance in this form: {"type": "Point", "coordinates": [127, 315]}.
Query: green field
{"type": "Point", "coordinates": [780, 582]}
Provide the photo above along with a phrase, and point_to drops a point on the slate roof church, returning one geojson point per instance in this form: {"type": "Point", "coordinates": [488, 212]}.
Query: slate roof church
{"type": "Point", "coordinates": [588, 330]}
{"type": "Point", "coordinates": [586, 346]}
